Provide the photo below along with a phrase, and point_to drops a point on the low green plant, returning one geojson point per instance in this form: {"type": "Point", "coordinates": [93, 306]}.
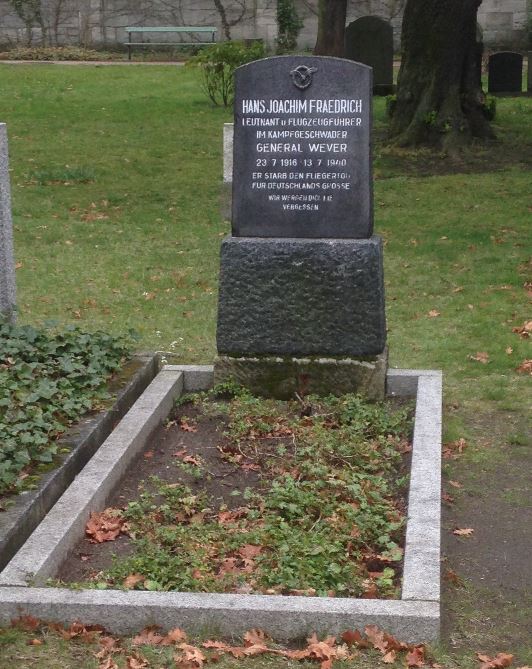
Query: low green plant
{"type": "Point", "coordinates": [47, 381]}
{"type": "Point", "coordinates": [326, 516]}
{"type": "Point", "coordinates": [218, 64]}
{"type": "Point", "coordinates": [62, 175]}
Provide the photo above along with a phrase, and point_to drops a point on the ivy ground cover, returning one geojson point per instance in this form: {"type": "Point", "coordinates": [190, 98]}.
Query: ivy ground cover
{"type": "Point", "coordinates": [48, 380]}
{"type": "Point", "coordinates": [260, 496]}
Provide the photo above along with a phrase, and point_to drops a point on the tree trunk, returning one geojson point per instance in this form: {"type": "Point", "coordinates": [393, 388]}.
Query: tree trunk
{"type": "Point", "coordinates": [440, 101]}
{"type": "Point", "coordinates": [331, 28]}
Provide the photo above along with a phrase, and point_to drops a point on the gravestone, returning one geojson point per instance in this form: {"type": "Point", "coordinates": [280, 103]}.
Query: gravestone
{"type": "Point", "coordinates": [301, 152]}
{"type": "Point", "coordinates": [505, 72]}
{"type": "Point", "coordinates": [301, 299]}
{"type": "Point", "coordinates": [7, 264]}
{"type": "Point", "coordinates": [529, 72]}
{"type": "Point", "coordinates": [369, 40]}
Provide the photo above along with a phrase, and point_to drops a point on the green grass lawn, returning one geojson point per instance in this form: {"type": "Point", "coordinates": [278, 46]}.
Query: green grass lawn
{"type": "Point", "coordinates": [116, 176]}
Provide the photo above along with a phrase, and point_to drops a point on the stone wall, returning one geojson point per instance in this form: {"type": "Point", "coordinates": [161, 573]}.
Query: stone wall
{"type": "Point", "coordinates": [102, 22]}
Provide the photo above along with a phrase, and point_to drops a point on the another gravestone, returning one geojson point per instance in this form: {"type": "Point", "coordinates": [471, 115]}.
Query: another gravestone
{"type": "Point", "coordinates": [301, 300]}
{"type": "Point", "coordinates": [7, 264]}
{"type": "Point", "coordinates": [505, 72]}
{"type": "Point", "coordinates": [369, 40]}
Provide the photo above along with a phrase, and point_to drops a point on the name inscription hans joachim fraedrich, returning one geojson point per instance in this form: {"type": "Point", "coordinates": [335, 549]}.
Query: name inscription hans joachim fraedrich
{"type": "Point", "coordinates": [302, 162]}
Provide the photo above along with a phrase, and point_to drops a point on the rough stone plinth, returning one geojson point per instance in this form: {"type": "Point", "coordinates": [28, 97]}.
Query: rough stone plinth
{"type": "Point", "coordinates": [7, 262]}
{"type": "Point", "coordinates": [301, 297]}
{"type": "Point", "coordinates": [282, 378]}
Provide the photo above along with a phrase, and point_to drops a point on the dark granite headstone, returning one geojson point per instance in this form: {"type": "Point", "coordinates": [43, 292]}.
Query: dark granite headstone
{"type": "Point", "coordinates": [369, 40]}
{"type": "Point", "coordinates": [302, 159]}
{"type": "Point", "coordinates": [505, 72]}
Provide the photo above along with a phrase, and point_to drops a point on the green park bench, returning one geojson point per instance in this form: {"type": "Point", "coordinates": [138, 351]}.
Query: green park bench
{"type": "Point", "coordinates": [190, 30]}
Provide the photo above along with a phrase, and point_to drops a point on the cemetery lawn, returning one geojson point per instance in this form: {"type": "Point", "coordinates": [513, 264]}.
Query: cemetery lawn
{"type": "Point", "coordinates": [116, 178]}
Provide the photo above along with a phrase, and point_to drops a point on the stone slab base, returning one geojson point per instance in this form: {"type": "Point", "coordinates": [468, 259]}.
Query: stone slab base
{"type": "Point", "coordinates": [282, 378]}
{"type": "Point", "coordinates": [301, 297]}
{"type": "Point", "coordinates": [414, 618]}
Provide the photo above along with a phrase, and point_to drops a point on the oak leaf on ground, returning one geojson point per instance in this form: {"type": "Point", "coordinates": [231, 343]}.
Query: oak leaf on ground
{"type": "Point", "coordinates": [105, 526]}
{"type": "Point", "coordinates": [525, 367]}
{"type": "Point", "coordinates": [463, 531]}
{"type": "Point", "coordinates": [480, 356]}
{"type": "Point", "coordinates": [500, 661]}
{"type": "Point", "coordinates": [416, 657]}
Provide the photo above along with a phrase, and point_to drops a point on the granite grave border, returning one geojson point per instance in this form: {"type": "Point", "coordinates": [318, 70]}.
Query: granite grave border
{"type": "Point", "coordinates": [413, 618]}
{"type": "Point", "coordinates": [19, 520]}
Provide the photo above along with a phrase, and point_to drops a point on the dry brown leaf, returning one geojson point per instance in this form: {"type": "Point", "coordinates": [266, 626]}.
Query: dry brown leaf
{"type": "Point", "coordinates": [524, 331]}
{"type": "Point", "coordinates": [176, 635]}
{"type": "Point", "coordinates": [389, 658]}
{"type": "Point", "coordinates": [454, 449]}
{"type": "Point", "coordinates": [376, 637]}
{"type": "Point", "coordinates": [132, 580]}
{"type": "Point", "coordinates": [26, 623]}
{"type": "Point", "coordinates": [433, 313]}
{"type": "Point", "coordinates": [480, 356]}
{"type": "Point", "coordinates": [451, 576]}
{"type": "Point", "coordinates": [463, 531]}
{"type": "Point", "coordinates": [525, 367]}
{"type": "Point", "coordinates": [104, 526]}
{"type": "Point", "coordinates": [255, 636]}
{"type": "Point", "coordinates": [150, 636]}
{"type": "Point", "coordinates": [455, 484]}
{"type": "Point", "coordinates": [186, 426]}
{"type": "Point", "coordinates": [190, 657]}
{"type": "Point", "coordinates": [136, 662]}
{"type": "Point", "coordinates": [416, 657]}
{"type": "Point", "coordinates": [509, 350]}
{"type": "Point", "coordinates": [35, 642]}
{"type": "Point", "coordinates": [500, 661]}
{"type": "Point", "coordinates": [355, 638]}
{"type": "Point", "coordinates": [108, 663]}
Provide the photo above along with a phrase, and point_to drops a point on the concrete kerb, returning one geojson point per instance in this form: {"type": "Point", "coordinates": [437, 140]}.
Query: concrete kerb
{"type": "Point", "coordinates": [414, 618]}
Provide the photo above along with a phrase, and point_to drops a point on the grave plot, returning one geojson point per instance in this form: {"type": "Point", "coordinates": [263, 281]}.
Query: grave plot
{"type": "Point", "coordinates": [414, 617]}
{"type": "Point", "coordinates": [254, 496]}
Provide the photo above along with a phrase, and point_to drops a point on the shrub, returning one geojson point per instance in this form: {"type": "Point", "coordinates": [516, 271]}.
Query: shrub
{"type": "Point", "coordinates": [54, 53]}
{"type": "Point", "coordinates": [48, 380]}
{"type": "Point", "coordinates": [489, 107]}
{"type": "Point", "coordinates": [288, 25]}
{"type": "Point", "coordinates": [218, 64]}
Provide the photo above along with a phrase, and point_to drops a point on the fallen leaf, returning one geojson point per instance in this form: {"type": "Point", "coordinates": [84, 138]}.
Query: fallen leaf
{"type": "Point", "coordinates": [500, 661]}
{"type": "Point", "coordinates": [150, 636]}
{"type": "Point", "coordinates": [19, 265]}
{"type": "Point", "coordinates": [176, 635]}
{"type": "Point", "coordinates": [148, 455]}
{"type": "Point", "coordinates": [389, 658]}
{"type": "Point", "coordinates": [452, 577]}
{"type": "Point", "coordinates": [454, 449]}
{"type": "Point", "coordinates": [416, 657]}
{"type": "Point", "coordinates": [26, 623]}
{"type": "Point", "coordinates": [186, 426]}
{"type": "Point", "coordinates": [433, 313]}
{"type": "Point", "coordinates": [355, 638]}
{"type": "Point", "coordinates": [149, 296]}
{"type": "Point", "coordinates": [455, 484]}
{"type": "Point", "coordinates": [509, 350]}
{"type": "Point", "coordinates": [463, 532]}
{"type": "Point", "coordinates": [108, 663]}
{"type": "Point", "coordinates": [132, 580]}
{"type": "Point", "coordinates": [376, 637]}
{"type": "Point", "coordinates": [104, 526]}
{"type": "Point", "coordinates": [525, 367]}
{"type": "Point", "coordinates": [481, 356]}
{"type": "Point", "coordinates": [35, 642]}
{"type": "Point", "coordinates": [189, 658]}
{"type": "Point", "coordinates": [136, 662]}
{"type": "Point", "coordinates": [524, 331]}
{"type": "Point", "coordinates": [449, 499]}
